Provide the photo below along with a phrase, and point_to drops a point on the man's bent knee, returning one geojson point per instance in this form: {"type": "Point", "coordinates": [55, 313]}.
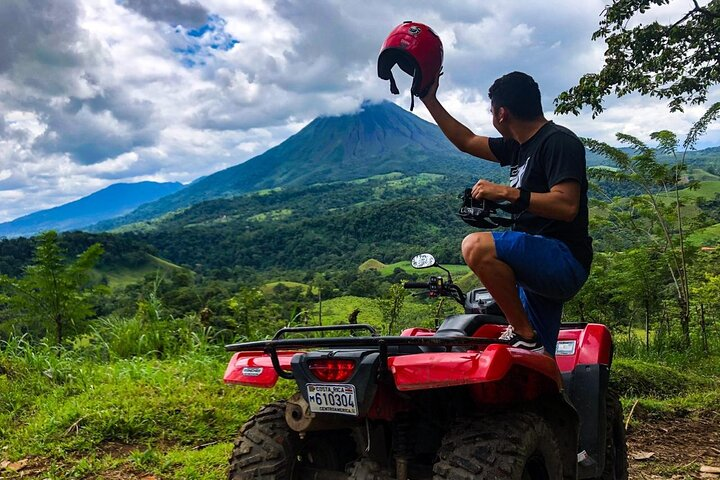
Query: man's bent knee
{"type": "Point", "coordinates": [478, 247]}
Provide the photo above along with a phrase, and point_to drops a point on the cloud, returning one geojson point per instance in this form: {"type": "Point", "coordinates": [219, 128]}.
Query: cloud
{"type": "Point", "coordinates": [37, 28]}
{"type": "Point", "coordinates": [172, 12]}
{"type": "Point", "coordinates": [97, 128]}
{"type": "Point", "coordinates": [93, 92]}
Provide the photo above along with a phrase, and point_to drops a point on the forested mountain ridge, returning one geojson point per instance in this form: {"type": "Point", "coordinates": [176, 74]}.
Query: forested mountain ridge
{"type": "Point", "coordinates": [337, 225]}
{"type": "Point", "coordinates": [115, 200]}
{"type": "Point", "coordinates": [379, 139]}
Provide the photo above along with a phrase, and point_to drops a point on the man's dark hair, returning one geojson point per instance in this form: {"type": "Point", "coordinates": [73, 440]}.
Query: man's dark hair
{"type": "Point", "coordinates": [519, 93]}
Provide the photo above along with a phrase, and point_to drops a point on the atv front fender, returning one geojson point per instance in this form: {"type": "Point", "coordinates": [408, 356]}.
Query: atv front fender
{"type": "Point", "coordinates": [447, 369]}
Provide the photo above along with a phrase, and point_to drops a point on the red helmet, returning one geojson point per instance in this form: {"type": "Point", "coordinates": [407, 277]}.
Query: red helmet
{"type": "Point", "coordinates": [417, 49]}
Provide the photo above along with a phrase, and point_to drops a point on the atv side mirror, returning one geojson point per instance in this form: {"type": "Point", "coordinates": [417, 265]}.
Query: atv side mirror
{"type": "Point", "coordinates": [424, 260]}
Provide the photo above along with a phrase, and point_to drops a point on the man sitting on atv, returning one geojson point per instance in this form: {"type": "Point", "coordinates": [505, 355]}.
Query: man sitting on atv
{"type": "Point", "coordinates": [545, 260]}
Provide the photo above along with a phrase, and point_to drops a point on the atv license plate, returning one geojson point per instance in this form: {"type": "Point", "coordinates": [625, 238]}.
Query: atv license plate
{"type": "Point", "coordinates": [332, 398]}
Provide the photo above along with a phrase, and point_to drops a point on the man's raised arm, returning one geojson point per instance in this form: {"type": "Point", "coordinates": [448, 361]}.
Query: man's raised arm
{"type": "Point", "coordinates": [460, 135]}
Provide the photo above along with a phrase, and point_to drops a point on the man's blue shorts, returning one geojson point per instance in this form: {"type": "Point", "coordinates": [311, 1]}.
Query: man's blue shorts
{"type": "Point", "coordinates": [547, 274]}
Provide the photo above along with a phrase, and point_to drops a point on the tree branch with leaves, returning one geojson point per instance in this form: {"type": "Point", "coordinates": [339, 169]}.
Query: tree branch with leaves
{"type": "Point", "coordinates": [674, 60]}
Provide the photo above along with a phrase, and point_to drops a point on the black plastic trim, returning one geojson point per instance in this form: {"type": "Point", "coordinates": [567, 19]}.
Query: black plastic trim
{"type": "Point", "coordinates": [586, 387]}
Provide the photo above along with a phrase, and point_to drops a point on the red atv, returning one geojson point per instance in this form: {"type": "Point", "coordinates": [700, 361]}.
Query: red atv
{"type": "Point", "coordinates": [449, 403]}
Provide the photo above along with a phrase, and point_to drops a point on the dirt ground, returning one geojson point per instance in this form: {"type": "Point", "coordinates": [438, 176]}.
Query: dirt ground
{"type": "Point", "coordinates": [658, 449]}
{"type": "Point", "coordinates": [676, 448]}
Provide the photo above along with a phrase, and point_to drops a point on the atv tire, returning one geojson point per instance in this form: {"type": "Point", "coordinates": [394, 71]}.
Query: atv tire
{"type": "Point", "coordinates": [268, 449]}
{"type": "Point", "coordinates": [509, 446]}
{"type": "Point", "coordinates": [616, 461]}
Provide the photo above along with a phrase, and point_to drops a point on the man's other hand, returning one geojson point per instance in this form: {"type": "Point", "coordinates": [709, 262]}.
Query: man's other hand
{"type": "Point", "coordinates": [485, 189]}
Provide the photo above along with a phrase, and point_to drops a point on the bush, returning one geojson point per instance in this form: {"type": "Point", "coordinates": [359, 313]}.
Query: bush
{"type": "Point", "coordinates": [118, 338]}
{"type": "Point", "coordinates": [635, 378]}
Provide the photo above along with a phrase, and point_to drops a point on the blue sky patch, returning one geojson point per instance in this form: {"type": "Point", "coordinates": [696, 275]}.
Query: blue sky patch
{"type": "Point", "coordinates": [198, 43]}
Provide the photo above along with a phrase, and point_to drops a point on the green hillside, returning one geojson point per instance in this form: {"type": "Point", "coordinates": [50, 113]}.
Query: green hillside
{"type": "Point", "coordinates": [706, 237]}
{"type": "Point", "coordinates": [417, 312]}
{"type": "Point", "coordinates": [371, 264]}
{"type": "Point", "coordinates": [707, 190]}
{"type": "Point", "coordinates": [121, 276]}
{"type": "Point", "coordinates": [702, 175]}
{"type": "Point", "coordinates": [271, 287]}
{"type": "Point", "coordinates": [388, 218]}
{"type": "Point", "coordinates": [404, 265]}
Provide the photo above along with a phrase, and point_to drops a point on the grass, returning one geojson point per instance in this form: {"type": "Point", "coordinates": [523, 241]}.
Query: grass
{"type": "Point", "coordinates": [173, 417]}
{"type": "Point", "coordinates": [130, 399]}
{"type": "Point", "coordinates": [417, 312]}
{"type": "Point", "coordinates": [273, 215]}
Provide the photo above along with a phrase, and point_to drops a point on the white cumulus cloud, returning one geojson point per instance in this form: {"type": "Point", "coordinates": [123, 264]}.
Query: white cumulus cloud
{"type": "Point", "coordinates": [94, 92]}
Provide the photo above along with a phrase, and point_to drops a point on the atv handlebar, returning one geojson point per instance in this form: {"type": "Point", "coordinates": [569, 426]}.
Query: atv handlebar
{"type": "Point", "coordinates": [437, 287]}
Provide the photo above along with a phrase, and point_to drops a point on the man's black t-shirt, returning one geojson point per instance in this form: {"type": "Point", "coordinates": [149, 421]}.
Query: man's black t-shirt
{"type": "Point", "coordinates": [553, 155]}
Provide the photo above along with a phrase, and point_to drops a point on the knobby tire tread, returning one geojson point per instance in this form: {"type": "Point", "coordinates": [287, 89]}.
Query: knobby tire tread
{"type": "Point", "coordinates": [497, 448]}
{"type": "Point", "coordinates": [264, 446]}
{"type": "Point", "coordinates": [616, 461]}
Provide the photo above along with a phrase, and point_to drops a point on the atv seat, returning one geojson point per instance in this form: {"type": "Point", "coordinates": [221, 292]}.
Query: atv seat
{"type": "Point", "coordinates": [467, 324]}
{"type": "Point", "coordinates": [464, 325]}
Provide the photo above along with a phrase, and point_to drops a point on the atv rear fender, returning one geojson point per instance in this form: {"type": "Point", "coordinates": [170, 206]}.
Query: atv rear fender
{"type": "Point", "coordinates": [535, 373]}
{"type": "Point", "coordinates": [255, 369]}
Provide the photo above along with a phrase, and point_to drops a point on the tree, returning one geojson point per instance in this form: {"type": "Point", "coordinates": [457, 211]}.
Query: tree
{"type": "Point", "coordinates": [55, 293]}
{"type": "Point", "coordinates": [391, 306]}
{"type": "Point", "coordinates": [676, 61]}
{"type": "Point", "coordinates": [655, 213]}
{"type": "Point", "coordinates": [248, 305]}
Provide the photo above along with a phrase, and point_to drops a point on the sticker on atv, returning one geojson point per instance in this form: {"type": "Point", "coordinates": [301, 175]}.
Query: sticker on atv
{"type": "Point", "coordinates": [332, 398]}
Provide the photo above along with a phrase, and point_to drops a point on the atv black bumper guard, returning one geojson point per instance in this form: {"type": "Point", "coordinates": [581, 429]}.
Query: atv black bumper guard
{"type": "Point", "coordinates": [271, 347]}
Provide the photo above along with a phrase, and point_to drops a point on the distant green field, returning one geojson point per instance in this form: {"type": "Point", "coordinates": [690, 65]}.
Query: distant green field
{"type": "Point", "coordinates": [271, 215]}
{"type": "Point", "coordinates": [421, 179]}
{"type": "Point", "coordinates": [384, 176]}
{"type": "Point", "coordinates": [416, 312]}
{"type": "Point", "coordinates": [371, 264]}
{"type": "Point", "coordinates": [121, 277]}
{"type": "Point", "coordinates": [702, 175]}
{"type": "Point", "coordinates": [456, 270]}
{"type": "Point", "coordinates": [706, 190]}
{"type": "Point", "coordinates": [268, 288]}
{"type": "Point", "coordinates": [705, 237]}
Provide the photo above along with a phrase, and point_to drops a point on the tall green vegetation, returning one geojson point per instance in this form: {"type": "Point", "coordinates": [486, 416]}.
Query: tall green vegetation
{"type": "Point", "coordinates": [53, 294]}
{"type": "Point", "coordinates": [392, 305]}
{"type": "Point", "coordinates": [653, 217]}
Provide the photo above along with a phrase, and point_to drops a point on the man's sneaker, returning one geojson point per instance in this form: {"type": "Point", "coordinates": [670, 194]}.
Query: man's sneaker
{"type": "Point", "coordinates": [515, 340]}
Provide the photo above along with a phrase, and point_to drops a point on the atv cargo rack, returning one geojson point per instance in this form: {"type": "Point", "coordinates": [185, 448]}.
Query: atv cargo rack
{"type": "Point", "coordinates": [271, 347]}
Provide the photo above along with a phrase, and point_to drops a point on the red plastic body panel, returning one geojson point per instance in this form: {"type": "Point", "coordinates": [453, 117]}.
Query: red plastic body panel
{"type": "Point", "coordinates": [593, 346]}
{"type": "Point", "coordinates": [447, 369]}
{"type": "Point", "coordinates": [417, 332]}
{"type": "Point", "coordinates": [263, 374]}
{"type": "Point", "coordinates": [496, 374]}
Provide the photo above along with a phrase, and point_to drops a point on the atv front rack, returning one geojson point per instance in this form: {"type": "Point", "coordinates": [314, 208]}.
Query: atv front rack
{"type": "Point", "coordinates": [271, 347]}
